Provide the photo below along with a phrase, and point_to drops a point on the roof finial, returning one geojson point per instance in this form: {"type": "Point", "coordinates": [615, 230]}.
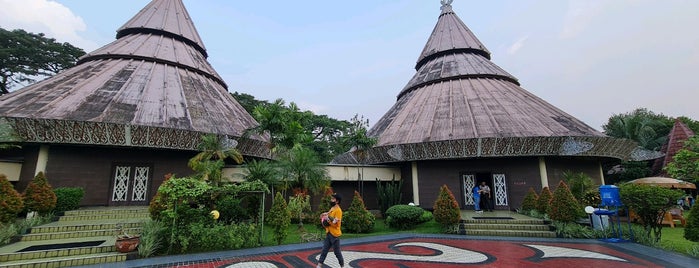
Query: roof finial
{"type": "Point", "coordinates": [446, 6]}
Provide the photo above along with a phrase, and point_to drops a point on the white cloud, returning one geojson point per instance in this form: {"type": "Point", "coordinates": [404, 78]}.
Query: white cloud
{"type": "Point", "coordinates": [45, 16]}
{"type": "Point", "coordinates": [517, 45]}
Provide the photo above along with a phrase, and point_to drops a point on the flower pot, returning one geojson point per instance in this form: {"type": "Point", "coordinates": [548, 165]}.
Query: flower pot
{"type": "Point", "coordinates": [125, 245]}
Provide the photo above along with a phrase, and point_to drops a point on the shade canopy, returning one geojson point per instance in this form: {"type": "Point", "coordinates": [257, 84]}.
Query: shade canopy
{"type": "Point", "coordinates": [665, 182]}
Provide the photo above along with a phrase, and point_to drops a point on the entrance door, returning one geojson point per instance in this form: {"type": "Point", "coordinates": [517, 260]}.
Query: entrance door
{"type": "Point", "coordinates": [468, 181]}
{"type": "Point", "coordinates": [130, 185]}
{"type": "Point", "coordinates": [500, 191]}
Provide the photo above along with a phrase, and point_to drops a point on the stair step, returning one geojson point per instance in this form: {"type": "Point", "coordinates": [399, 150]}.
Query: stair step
{"type": "Point", "coordinates": [499, 221]}
{"type": "Point", "coordinates": [77, 234]}
{"type": "Point", "coordinates": [105, 247]}
{"type": "Point", "coordinates": [511, 227]}
{"type": "Point", "coordinates": [105, 216]}
{"type": "Point", "coordinates": [515, 233]}
{"type": "Point", "coordinates": [66, 261]}
{"type": "Point", "coordinates": [97, 211]}
{"type": "Point", "coordinates": [85, 226]}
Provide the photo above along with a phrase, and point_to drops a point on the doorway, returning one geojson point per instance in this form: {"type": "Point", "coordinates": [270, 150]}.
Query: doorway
{"type": "Point", "coordinates": [130, 184]}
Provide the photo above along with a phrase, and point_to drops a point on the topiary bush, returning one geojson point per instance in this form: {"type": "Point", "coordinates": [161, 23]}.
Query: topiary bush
{"type": "Point", "coordinates": [279, 218]}
{"type": "Point", "coordinates": [564, 207]}
{"type": "Point", "coordinates": [529, 201]}
{"type": "Point", "coordinates": [691, 231]}
{"type": "Point", "coordinates": [357, 218]}
{"type": "Point", "coordinates": [544, 200]}
{"type": "Point", "coordinates": [403, 216]}
{"type": "Point", "coordinates": [39, 195]}
{"type": "Point", "coordinates": [68, 198]}
{"type": "Point", "coordinates": [11, 201]}
{"type": "Point", "coordinates": [446, 210]}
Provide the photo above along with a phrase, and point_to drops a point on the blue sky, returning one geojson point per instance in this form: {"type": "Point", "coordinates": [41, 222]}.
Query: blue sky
{"type": "Point", "coordinates": [590, 58]}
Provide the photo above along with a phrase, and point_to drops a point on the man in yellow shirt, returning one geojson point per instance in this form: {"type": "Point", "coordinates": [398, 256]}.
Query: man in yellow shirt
{"type": "Point", "coordinates": [332, 221]}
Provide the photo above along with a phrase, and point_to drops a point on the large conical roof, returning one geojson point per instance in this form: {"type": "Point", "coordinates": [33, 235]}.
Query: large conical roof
{"type": "Point", "coordinates": [151, 87]}
{"type": "Point", "coordinates": [460, 104]}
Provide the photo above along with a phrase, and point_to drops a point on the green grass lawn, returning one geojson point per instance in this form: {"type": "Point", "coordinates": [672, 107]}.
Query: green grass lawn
{"type": "Point", "coordinates": [673, 239]}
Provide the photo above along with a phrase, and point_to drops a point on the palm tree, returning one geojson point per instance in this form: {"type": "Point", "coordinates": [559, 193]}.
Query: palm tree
{"type": "Point", "coordinates": [264, 171]}
{"type": "Point", "coordinates": [301, 168]}
{"type": "Point", "coordinates": [214, 150]}
{"type": "Point", "coordinates": [359, 143]}
{"type": "Point", "coordinates": [645, 127]}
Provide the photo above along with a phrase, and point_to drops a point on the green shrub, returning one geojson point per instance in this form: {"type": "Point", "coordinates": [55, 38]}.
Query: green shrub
{"type": "Point", "coordinates": [152, 238]}
{"type": "Point", "coordinates": [544, 200]}
{"type": "Point", "coordinates": [403, 216]}
{"type": "Point", "coordinates": [573, 230]}
{"type": "Point", "coordinates": [221, 236]}
{"type": "Point", "coordinates": [650, 204]}
{"type": "Point", "coordinates": [563, 206]}
{"type": "Point", "coordinates": [691, 231]}
{"type": "Point", "coordinates": [529, 201]}
{"type": "Point", "coordinates": [157, 204]}
{"type": "Point", "coordinates": [388, 195]}
{"type": "Point", "coordinates": [7, 232]}
{"type": "Point", "coordinates": [299, 207]}
{"type": "Point", "coordinates": [279, 218]}
{"type": "Point", "coordinates": [11, 201]}
{"type": "Point", "coordinates": [68, 198]}
{"type": "Point", "coordinates": [231, 209]}
{"type": "Point", "coordinates": [357, 219]}
{"type": "Point", "coordinates": [591, 198]}
{"type": "Point", "coordinates": [425, 217]}
{"type": "Point", "coordinates": [39, 195]}
{"type": "Point", "coordinates": [446, 210]}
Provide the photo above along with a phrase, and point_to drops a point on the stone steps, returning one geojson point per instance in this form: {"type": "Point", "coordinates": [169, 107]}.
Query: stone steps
{"type": "Point", "coordinates": [96, 225]}
{"type": "Point", "coordinates": [506, 227]}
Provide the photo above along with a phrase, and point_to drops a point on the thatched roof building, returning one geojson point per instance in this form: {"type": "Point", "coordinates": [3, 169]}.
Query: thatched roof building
{"type": "Point", "coordinates": [462, 119]}
{"type": "Point", "coordinates": [151, 93]}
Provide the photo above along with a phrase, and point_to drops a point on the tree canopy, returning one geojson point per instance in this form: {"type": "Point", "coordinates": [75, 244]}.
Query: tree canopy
{"type": "Point", "coordinates": [685, 163]}
{"type": "Point", "coordinates": [25, 57]}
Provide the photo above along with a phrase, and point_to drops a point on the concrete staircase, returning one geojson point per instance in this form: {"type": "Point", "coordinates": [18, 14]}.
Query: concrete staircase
{"type": "Point", "coordinates": [504, 224]}
{"type": "Point", "coordinates": [80, 237]}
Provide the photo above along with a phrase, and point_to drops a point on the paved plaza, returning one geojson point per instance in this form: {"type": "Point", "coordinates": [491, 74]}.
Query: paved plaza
{"type": "Point", "coordinates": [436, 251]}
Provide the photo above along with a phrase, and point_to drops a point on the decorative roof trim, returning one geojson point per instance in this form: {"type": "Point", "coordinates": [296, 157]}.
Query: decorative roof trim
{"type": "Point", "coordinates": [451, 51]}
{"type": "Point", "coordinates": [56, 131]}
{"type": "Point", "coordinates": [152, 59]}
{"type": "Point", "coordinates": [605, 147]}
{"type": "Point", "coordinates": [464, 76]}
{"type": "Point", "coordinates": [129, 31]}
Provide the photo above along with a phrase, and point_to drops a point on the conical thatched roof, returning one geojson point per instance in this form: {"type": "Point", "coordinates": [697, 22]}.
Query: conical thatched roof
{"type": "Point", "coordinates": [459, 104]}
{"type": "Point", "coordinates": [151, 87]}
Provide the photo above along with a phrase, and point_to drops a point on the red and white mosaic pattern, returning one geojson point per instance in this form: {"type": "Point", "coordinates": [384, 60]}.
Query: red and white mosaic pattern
{"type": "Point", "coordinates": [444, 252]}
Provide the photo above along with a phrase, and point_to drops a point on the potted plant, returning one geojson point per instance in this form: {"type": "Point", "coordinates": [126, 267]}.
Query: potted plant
{"type": "Point", "coordinates": [125, 242]}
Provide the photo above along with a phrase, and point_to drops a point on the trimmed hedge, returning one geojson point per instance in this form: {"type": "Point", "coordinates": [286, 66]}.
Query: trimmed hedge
{"type": "Point", "coordinates": [11, 201]}
{"type": "Point", "coordinates": [68, 198]}
{"type": "Point", "coordinates": [404, 216]}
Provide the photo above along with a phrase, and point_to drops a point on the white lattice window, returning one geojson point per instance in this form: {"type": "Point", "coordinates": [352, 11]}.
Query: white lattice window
{"type": "Point", "coordinates": [121, 183]}
{"type": "Point", "coordinates": [140, 184]}
{"type": "Point", "coordinates": [500, 189]}
{"type": "Point", "coordinates": [469, 183]}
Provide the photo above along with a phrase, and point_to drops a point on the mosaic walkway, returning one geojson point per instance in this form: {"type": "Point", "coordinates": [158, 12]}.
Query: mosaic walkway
{"type": "Point", "coordinates": [436, 251]}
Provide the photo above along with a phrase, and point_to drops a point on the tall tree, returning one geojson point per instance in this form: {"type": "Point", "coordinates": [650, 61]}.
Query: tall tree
{"type": "Point", "coordinates": [214, 150]}
{"type": "Point", "coordinates": [650, 130]}
{"type": "Point", "coordinates": [25, 56]}
{"type": "Point", "coordinates": [685, 163]}
{"type": "Point", "coordinates": [301, 168]}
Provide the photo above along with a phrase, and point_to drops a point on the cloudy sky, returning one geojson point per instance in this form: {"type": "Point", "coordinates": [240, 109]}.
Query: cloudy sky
{"type": "Point", "coordinates": [590, 58]}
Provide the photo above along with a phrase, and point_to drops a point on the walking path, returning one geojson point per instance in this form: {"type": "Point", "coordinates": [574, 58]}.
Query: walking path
{"type": "Point", "coordinates": [435, 251]}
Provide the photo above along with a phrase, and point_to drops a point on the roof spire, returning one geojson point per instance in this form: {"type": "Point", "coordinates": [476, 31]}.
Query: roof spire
{"type": "Point", "coordinates": [446, 6]}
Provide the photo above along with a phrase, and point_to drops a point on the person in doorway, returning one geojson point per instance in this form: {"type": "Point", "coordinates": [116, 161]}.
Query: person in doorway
{"type": "Point", "coordinates": [477, 199]}
{"type": "Point", "coordinates": [485, 197]}
{"type": "Point", "coordinates": [332, 221]}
